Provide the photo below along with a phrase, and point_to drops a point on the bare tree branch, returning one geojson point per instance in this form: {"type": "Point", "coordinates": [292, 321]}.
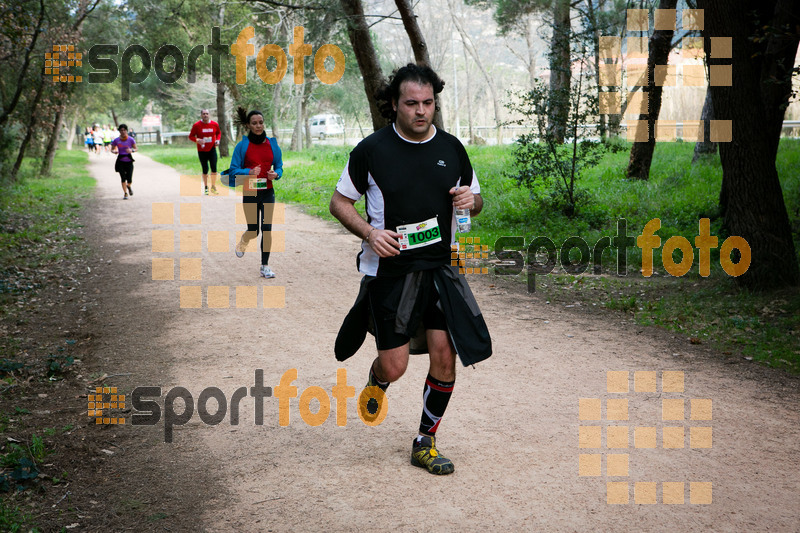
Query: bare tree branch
{"type": "Point", "coordinates": [288, 6]}
{"type": "Point", "coordinates": [84, 14]}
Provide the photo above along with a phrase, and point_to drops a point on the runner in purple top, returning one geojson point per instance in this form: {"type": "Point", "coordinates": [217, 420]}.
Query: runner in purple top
{"type": "Point", "coordinates": [124, 146]}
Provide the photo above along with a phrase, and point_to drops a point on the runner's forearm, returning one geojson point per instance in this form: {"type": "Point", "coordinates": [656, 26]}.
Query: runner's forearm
{"type": "Point", "coordinates": [345, 212]}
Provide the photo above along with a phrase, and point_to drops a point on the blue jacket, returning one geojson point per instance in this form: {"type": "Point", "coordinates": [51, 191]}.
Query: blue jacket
{"type": "Point", "coordinates": [237, 160]}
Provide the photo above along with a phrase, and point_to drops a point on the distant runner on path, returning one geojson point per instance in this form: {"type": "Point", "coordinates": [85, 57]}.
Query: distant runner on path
{"type": "Point", "coordinates": [206, 134]}
{"type": "Point", "coordinates": [124, 146]}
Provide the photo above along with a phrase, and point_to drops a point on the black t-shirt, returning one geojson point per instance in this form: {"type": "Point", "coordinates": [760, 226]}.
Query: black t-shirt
{"type": "Point", "coordinates": [407, 182]}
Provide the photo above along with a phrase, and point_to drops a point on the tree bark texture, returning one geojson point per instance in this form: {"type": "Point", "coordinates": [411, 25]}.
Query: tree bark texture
{"type": "Point", "coordinates": [73, 123]}
{"type": "Point", "coordinates": [765, 36]}
{"type": "Point", "coordinates": [304, 113]}
{"type": "Point", "coordinates": [592, 19]}
{"type": "Point", "coordinates": [28, 130]}
{"type": "Point", "coordinates": [560, 71]}
{"type": "Point", "coordinates": [222, 120]}
{"type": "Point", "coordinates": [276, 93]}
{"type": "Point", "coordinates": [52, 143]}
{"type": "Point", "coordinates": [297, 133]}
{"type": "Point", "coordinates": [473, 139]}
{"type": "Point", "coordinates": [659, 47]}
{"type": "Point", "coordinates": [706, 146]}
{"type": "Point", "coordinates": [367, 58]}
{"type": "Point", "coordinates": [414, 33]}
{"type": "Point", "coordinates": [531, 62]}
{"type": "Point", "coordinates": [222, 114]}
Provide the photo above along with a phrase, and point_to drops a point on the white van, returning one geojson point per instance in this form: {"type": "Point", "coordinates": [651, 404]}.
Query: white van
{"type": "Point", "coordinates": [326, 125]}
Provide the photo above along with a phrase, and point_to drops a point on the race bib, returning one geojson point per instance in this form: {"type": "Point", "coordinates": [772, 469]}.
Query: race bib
{"type": "Point", "coordinates": [419, 234]}
{"type": "Point", "coordinates": [258, 183]}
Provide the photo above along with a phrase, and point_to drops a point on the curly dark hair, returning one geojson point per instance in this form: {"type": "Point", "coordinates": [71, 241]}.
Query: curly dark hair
{"type": "Point", "coordinates": [422, 74]}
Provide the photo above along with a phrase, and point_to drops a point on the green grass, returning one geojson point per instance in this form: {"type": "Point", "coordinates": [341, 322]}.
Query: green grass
{"type": "Point", "coordinates": [13, 519]}
{"type": "Point", "coordinates": [181, 158]}
{"type": "Point", "coordinates": [761, 326]}
{"type": "Point", "coordinates": [677, 193]}
{"type": "Point", "coordinates": [309, 176]}
{"type": "Point", "coordinates": [39, 227]}
{"type": "Point", "coordinates": [39, 217]}
{"type": "Point", "coordinates": [713, 310]}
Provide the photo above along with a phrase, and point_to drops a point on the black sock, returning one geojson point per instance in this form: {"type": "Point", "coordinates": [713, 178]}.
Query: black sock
{"type": "Point", "coordinates": [435, 396]}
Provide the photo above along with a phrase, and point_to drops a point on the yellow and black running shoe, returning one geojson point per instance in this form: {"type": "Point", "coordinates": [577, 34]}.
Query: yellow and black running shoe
{"type": "Point", "coordinates": [425, 455]}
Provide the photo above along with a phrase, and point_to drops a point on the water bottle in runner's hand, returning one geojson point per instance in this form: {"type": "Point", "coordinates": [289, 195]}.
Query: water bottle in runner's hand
{"type": "Point", "coordinates": [463, 220]}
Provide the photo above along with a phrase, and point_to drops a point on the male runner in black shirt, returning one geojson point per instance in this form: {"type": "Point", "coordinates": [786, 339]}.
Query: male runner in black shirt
{"type": "Point", "coordinates": [413, 176]}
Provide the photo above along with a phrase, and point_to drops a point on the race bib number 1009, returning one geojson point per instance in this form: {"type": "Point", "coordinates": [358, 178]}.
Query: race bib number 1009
{"type": "Point", "coordinates": [419, 234]}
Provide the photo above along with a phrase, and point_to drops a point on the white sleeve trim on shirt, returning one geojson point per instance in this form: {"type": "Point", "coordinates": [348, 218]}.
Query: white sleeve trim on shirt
{"type": "Point", "coordinates": [475, 187]}
{"type": "Point", "coordinates": [345, 185]}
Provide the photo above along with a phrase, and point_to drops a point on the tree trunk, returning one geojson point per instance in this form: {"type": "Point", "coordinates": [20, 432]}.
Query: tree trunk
{"type": "Point", "coordinates": [114, 117]}
{"type": "Point", "coordinates": [28, 130]}
{"type": "Point", "coordinates": [752, 201]}
{"type": "Point", "coordinates": [367, 58]}
{"type": "Point", "coordinates": [560, 71]}
{"type": "Point", "coordinates": [705, 147]}
{"type": "Point", "coordinates": [642, 152]}
{"type": "Point", "coordinates": [473, 139]}
{"type": "Point", "coordinates": [297, 134]}
{"type": "Point", "coordinates": [414, 33]}
{"type": "Point", "coordinates": [418, 45]}
{"type": "Point", "coordinates": [592, 19]}
{"type": "Point", "coordinates": [306, 125]}
{"type": "Point", "coordinates": [531, 63]}
{"type": "Point", "coordinates": [222, 113]}
{"type": "Point", "coordinates": [222, 120]}
{"type": "Point", "coordinates": [52, 143]}
{"type": "Point", "coordinates": [276, 93]}
{"type": "Point", "coordinates": [73, 123]}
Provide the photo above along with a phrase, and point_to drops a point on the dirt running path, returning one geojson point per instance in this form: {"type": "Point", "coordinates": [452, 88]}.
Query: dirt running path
{"type": "Point", "coordinates": [512, 428]}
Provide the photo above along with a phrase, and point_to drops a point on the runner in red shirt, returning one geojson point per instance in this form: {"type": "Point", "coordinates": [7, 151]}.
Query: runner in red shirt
{"type": "Point", "coordinates": [206, 133]}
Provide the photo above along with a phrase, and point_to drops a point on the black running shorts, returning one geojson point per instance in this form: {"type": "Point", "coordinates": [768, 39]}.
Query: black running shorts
{"type": "Point", "coordinates": [125, 169]}
{"type": "Point", "coordinates": [384, 298]}
{"type": "Point", "coordinates": [207, 158]}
